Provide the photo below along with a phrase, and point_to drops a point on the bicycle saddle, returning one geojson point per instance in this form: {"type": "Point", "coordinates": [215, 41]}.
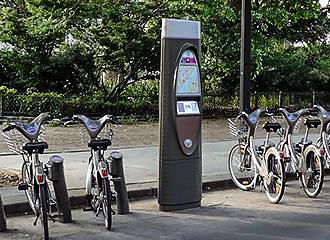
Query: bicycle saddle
{"type": "Point", "coordinates": [292, 118]}
{"type": "Point", "coordinates": [94, 127]}
{"type": "Point", "coordinates": [252, 118]}
{"type": "Point", "coordinates": [325, 116]}
{"type": "Point", "coordinates": [99, 143]}
{"type": "Point", "coordinates": [30, 130]}
{"type": "Point", "coordinates": [312, 123]}
{"type": "Point", "coordinates": [38, 147]}
{"type": "Point", "coordinates": [271, 127]}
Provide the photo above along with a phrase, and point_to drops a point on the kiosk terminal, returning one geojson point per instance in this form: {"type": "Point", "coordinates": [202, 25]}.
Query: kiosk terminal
{"type": "Point", "coordinates": [180, 109]}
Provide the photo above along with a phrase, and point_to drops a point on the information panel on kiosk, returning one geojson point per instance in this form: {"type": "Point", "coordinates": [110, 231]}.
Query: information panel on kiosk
{"type": "Point", "coordinates": [188, 85]}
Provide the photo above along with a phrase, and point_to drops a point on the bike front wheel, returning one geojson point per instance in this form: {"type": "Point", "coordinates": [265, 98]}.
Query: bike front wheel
{"type": "Point", "coordinates": [275, 182]}
{"type": "Point", "coordinates": [106, 204]}
{"type": "Point", "coordinates": [242, 168]}
{"type": "Point", "coordinates": [27, 179]}
{"type": "Point", "coordinates": [312, 178]}
{"type": "Point", "coordinates": [43, 210]}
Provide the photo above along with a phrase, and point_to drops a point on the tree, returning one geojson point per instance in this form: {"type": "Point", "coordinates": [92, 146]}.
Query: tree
{"type": "Point", "coordinates": [65, 45]}
{"type": "Point", "coordinates": [35, 53]}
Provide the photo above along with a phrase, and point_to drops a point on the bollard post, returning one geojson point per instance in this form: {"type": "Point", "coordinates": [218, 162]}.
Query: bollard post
{"type": "Point", "coordinates": [117, 172]}
{"type": "Point", "coordinates": [56, 175]}
{"type": "Point", "coordinates": [3, 225]}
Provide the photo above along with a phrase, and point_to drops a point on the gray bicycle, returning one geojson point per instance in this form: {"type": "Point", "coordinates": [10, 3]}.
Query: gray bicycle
{"type": "Point", "coordinates": [36, 175]}
{"type": "Point", "coordinates": [98, 190]}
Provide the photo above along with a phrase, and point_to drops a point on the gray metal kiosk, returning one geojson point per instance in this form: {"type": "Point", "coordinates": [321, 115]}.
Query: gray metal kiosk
{"type": "Point", "coordinates": [180, 148]}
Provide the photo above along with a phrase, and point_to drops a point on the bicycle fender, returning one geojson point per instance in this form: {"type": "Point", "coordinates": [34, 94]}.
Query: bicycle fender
{"type": "Point", "coordinates": [89, 178]}
{"type": "Point", "coordinates": [310, 148]}
{"type": "Point", "coordinates": [272, 151]}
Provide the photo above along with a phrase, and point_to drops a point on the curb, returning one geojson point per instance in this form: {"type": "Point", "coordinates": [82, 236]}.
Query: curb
{"type": "Point", "coordinates": [144, 193]}
{"type": "Point", "coordinates": [147, 193]}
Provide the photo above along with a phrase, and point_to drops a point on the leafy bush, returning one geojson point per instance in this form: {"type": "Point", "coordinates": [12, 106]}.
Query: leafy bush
{"type": "Point", "coordinates": [60, 105]}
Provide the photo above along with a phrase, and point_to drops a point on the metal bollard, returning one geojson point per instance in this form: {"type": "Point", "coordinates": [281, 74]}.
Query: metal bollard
{"type": "Point", "coordinates": [117, 172]}
{"type": "Point", "coordinates": [56, 175]}
{"type": "Point", "coordinates": [3, 225]}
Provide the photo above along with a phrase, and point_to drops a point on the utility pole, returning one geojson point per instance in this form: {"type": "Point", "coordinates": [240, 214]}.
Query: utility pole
{"type": "Point", "coordinates": [245, 70]}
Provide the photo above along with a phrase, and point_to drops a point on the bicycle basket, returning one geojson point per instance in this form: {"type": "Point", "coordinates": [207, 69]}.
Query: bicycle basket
{"type": "Point", "coordinates": [14, 141]}
{"type": "Point", "coordinates": [238, 129]}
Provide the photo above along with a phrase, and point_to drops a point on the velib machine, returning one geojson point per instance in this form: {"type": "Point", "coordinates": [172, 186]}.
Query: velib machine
{"type": "Point", "coordinates": [180, 149]}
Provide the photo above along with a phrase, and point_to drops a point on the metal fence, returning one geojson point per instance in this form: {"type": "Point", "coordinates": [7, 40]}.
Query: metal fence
{"type": "Point", "coordinates": [142, 106]}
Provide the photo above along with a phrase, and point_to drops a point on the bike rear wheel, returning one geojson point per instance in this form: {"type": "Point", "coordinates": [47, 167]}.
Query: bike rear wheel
{"type": "Point", "coordinates": [43, 210]}
{"type": "Point", "coordinates": [106, 208]}
{"type": "Point", "coordinates": [275, 184]}
{"type": "Point", "coordinates": [312, 178]}
{"type": "Point", "coordinates": [242, 168]}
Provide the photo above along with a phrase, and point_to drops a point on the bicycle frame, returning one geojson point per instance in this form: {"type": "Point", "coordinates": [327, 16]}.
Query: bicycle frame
{"type": "Point", "coordinates": [297, 158]}
{"type": "Point", "coordinates": [260, 163]}
{"type": "Point", "coordinates": [97, 167]}
{"type": "Point", "coordinates": [37, 174]}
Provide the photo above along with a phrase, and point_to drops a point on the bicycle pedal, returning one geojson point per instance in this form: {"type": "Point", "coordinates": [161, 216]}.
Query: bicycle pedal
{"type": "Point", "coordinates": [23, 186]}
{"type": "Point", "coordinates": [35, 221]}
{"type": "Point", "coordinates": [53, 216]}
{"type": "Point", "coordinates": [88, 209]}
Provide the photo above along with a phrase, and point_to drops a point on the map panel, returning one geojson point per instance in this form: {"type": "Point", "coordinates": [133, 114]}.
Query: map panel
{"type": "Point", "coordinates": [188, 80]}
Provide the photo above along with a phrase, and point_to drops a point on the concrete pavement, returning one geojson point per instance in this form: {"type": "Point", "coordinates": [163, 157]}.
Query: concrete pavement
{"type": "Point", "coordinates": [141, 167]}
{"type": "Point", "coordinates": [228, 214]}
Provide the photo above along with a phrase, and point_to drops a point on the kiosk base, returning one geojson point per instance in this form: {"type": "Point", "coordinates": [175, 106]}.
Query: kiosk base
{"type": "Point", "coordinates": [172, 208]}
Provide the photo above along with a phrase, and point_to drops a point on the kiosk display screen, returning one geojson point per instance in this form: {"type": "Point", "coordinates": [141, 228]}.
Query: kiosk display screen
{"type": "Point", "coordinates": [187, 107]}
{"type": "Point", "coordinates": [187, 81]}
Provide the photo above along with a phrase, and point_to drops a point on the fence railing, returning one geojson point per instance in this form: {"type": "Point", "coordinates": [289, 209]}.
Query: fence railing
{"type": "Point", "coordinates": [142, 105]}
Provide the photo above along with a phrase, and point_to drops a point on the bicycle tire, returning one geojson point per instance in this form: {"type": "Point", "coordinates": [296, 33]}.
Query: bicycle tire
{"type": "Point", "coordinates": [106, 208]}
{"type": "Point", "coordinates": [306, 182]}
{"type": "Point", "coordinates": [275, 188]}
{"type": "Point", "coordinates": [245, 183]}
{"type": "Point", "coordinates": [29, 193]}
{"type": "Point", "coordinates": [326, 159]}
{"type": "Point", "coordinates": [44, 210]}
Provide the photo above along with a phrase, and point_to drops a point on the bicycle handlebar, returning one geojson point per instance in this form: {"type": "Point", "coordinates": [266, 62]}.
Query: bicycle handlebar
{"type": "Point", "coordinates": [240, 115]}
{"type": "Point", "coordinates": [8, 128]}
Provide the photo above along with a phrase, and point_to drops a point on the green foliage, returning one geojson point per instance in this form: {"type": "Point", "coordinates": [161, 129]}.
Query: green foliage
{"type": "Point", "coordinates": [270, 101]}
{"type": "Point", "coordinates": [64, 46]}
{"type": "Point", "coordinates": [60, 105]}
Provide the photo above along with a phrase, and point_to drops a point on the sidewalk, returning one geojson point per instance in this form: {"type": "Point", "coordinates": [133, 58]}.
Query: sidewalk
{"type": "Point", "coordinates": [141, 170]}
{"type": "Point", "coordinates": [226, 215]}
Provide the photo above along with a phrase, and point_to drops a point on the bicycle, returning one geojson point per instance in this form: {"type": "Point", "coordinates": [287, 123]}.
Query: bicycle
{"type": "Point", "coordinates": [324, 139]}
{"type": "Point", "coordinates": [249, 164]}
{"type": "Point", "coordinates": [98, 191]}
{"type": "Point", "coordinates": [304, 157]}
{"type": "Point", "coordinates": [36, 174]}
